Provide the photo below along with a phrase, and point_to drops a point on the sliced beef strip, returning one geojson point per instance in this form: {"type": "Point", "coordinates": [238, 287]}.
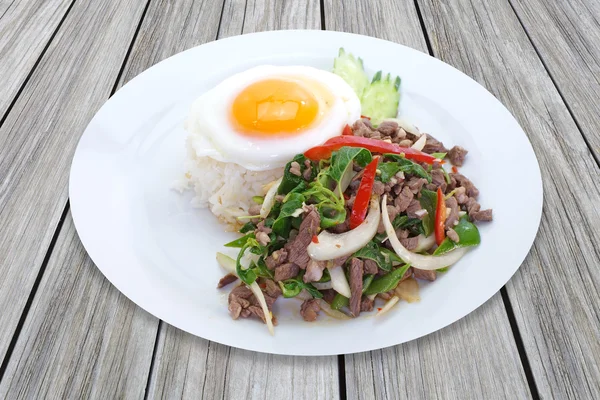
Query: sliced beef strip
{"type": "Point", "coordinates": [404, 199]}
{"type": "Point", "coordinates": [314, 270]}
{"type": "Point", "coordinates": [360, 128]}
{"type": "Point", "coordinates": [424, 274]}
{"type": "Point", "coordinates": [366, 304]}
{"type": "Point", "coordinates": [307, 173]}
{"type": "Point", "coordinates": [370, 267]}
{"type": "Point", "coordinates": [483, 215]}
{"type": "Point", "coordinates": [457, 155]}
{"type": "Point", "coordinates": [343, 227]}
{"type": "Point", "coordinates": [258, 312]}
{"type": "Point", "coordinates": [340, 261]}
{"type": "Point", "coordinates": [226, 280]}
{"type": "Point", "coordinates": [439, 179]}
{"type": "Point", "coordinates": [277, 258]}
{"type": "Point", "coordinates": [410, 243]}
{"type": "Point", "coordinates": [272, 289]}
{"type": "Point", "coordinates": [432, 145]}
{"type": "Point", "coordinates": [254, 209]}
{"type": "Point", "coordinates": [402, 233]}
{"type": "Point", "coordinates": [452, 218]}
{"type": "Point", "coordinates": [356, 285]}
{"type": "Point", "coordinates": [472, 206]}
{"type": "Point", "coordinates": [415, 184]}
{"type": "Point", "coordinates": [328, 295]}
{"type": "Point", "coordinates": [413, 208]}
{"type": "Point", "coordinates": [463, 181]}
{"type": "Point", "coordinates": [378, 188]}
{"type": "Point", "coordinates": [286, 271]}
{"type": "Point", "coordinates": [388, 128]}
{"type": "Point", "coordinates": [451, 233]}
{"type": "Point", "coordinates": [296, 247]}
{"type": "Point", "coordinates": [407, 274]}
{"type": "Point", "coordinates": [310, 309]}
{"type": "Point", "coordinates": [392, 213]}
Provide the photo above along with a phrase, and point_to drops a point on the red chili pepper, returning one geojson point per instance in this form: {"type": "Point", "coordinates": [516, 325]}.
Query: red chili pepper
{"type": "Point", "coordinates": [440, 218]}
{"type": "Point", "coordinates": [315, 239]}
{"type": "Point", "coordinates": [454, 170]}
{"type": "Point", "coordinates": [363, 196]}
{"type": "Point", "coordinates": [374, 145]}
{"type": "Point", "coordinates": [378, 308]}
{"type": "Point", "coordinates": [365, 117]}
{"type": "Point", "coordinates": [347, 131]}
{"type": "Point", "coordinates": [263, 285]}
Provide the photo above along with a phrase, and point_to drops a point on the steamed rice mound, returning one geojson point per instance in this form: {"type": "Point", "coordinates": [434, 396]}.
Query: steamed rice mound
{"type": "Point", "coordinates": [225, 188]}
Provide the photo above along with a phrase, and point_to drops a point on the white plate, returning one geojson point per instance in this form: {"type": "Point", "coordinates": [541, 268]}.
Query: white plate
{"type": "Point", "coordinates": [160, 252]}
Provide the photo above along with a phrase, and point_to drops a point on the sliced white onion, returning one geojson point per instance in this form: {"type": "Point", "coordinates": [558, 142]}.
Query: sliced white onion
{"type": "Point", "coordinates": [331, 245]}
{"type": "Point", "coordinates": [372, 296]}
{"type": "Point", "coordinates": [406, 125]}
{"type": "Point", "coordinates": [322, 285]}
{"type": "Point", "coordinates": [263, 304]}
{"type": "Point", "coordinates": [331, 312]}
{"type": "Point", "coordinates": [345, 181]}
{"type": "Point", "coordinates": [424, 243]}
{"type": "Point", "coordinates": [419, 144]}
{"type": "Point", "coordinates": [418, 260]}
{"type": "Point", "coordinates": [339, 283]}
{"type": "Point", "coordinates": [388, 306]}
{"type": "Point", "coordinates": [228, 264]}
{"type": "Point", "coordinates": [421, 213]}
{"type": "Point", "coordinates": [269, 200]}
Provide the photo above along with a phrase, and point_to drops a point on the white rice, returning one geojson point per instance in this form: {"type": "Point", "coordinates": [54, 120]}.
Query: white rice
{"type": "Point", "coordinates": [225, 188]}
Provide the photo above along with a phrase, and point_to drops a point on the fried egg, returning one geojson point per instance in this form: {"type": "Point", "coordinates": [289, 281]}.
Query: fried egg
{"type": "Point", "coordinates": [262, 117]}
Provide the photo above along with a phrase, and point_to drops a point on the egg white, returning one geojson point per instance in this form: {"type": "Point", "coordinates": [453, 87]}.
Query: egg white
{"type": "Point", "coordinates": [212, 134]}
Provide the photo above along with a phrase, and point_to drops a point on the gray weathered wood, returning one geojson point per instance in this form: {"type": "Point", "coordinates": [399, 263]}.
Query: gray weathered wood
{"type": "Point", "coordinates": [25, 28]}
{"type": "Point", "coordinates": [190, 367]}
{"type": "Point", "coordinates": [554, 294]}
{"type": "Point", "coordinates": [567, 36]}
{"type": "Point", "coordinates": [82, 338]}
{"type": "Point", "coordinates": [473, 358]}
{"type": "Point", "coordinates": [39, 136]}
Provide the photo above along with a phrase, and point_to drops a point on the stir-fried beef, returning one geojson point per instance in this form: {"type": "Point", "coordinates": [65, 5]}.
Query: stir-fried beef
{"type": "Point", "coordinates": [328, 295]}
{"type": "Point", "coordinates": [405, 143]}
{"type": "Point", "coordinates": [226, 280]}
{"type": "Point", "coordinates": [254, 209]}
{"type": "Point", "coordinates": [452, 218]}
{"type": "Point", "coordinates": [360, 128]}
{"type": "Point", "coordinates": [277, 258]}
{"type": "Point", "coordinates": [286, 271]}
{"type": "Point", "coordinates": [340, 261]}
{"type": "Point", "coordinates": [356, 285]}
{"type": "Point", "coordinates": [407, 274]}
{"type": "Point", "coordinates": [412, 209]}
{"type": "Point", "coordinates": [416, 184]}
{"type": "Point", "coordinates": [410, 243]}
{"type": "Point", "coordinates": [238, 300]}
{"type": "Point", "coordinates": [342, 227]}
{"type": "Point", "coordinates": [378, 188]}
{"type": "Point", "coordinates": [424, 274]}
{"type": "Point", "coordinates": [388, 128]}
{"type": "Point", "coordinates": [243, 303]}
{"type": "Point", "coordinates": [314, 270]}
{"type": "Point", "coordinates": [432, 145]}
{"type": "Point", "coordinates": [262, 238]}
{"type": "Point", "coordinates": [310, 309]}
{"type": "Point", "coordinates": [272, 289]}
{"type": "Point", "coordinates": [463, 181]}
{"type": "Point", "coordinates": [404, 199]}
{"type": "Point", "coordinates": [366, 304]}
{"type": "Point", "coordinates": [484, 215]}
{"type": "Point", "coordinates": [296, 247]}
{"type": "Point", "coordinates": [472, 206]}
{"type": "Point", "coordinates": [438, 179]}
{"type": "Point", "coordinates": [457, 155]}
{"type": "Point", "coordinates": [370, 267]}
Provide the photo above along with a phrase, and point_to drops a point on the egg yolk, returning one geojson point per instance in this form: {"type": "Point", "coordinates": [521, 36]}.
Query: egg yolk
{"type": "Point", "coordinates": [274, 107]}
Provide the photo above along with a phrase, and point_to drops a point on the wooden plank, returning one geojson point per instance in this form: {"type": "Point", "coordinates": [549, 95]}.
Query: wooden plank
{"type": "Point", "coordinates": [38, 138]}
{"type": "Point", "coordinates": [25, 29]}
{"type": "Point", "coordinates": [566, 34]}
{"type": "Point", "coordinates": [556, 310]}
{"type": "Point", "coordinates": [82, 338]}
{"type": "Point", "coordinates": [480, 364]}
{"type": "Point", "coordinates": [189, 367]}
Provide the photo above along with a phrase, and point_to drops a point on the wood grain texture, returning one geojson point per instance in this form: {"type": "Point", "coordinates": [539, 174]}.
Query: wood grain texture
{"type": "Point", "coordinates": [473, 358]}
{"type": "Point", "coordinates": [82, 338]}
{"type": "Point", "coordinates": [241, 16]}
{"type": "Point", "coordinates": [567, 36]}
{"type": "Point", "coordinates": [25, 29]}
{"type": "Point", "coordinates": [38, 138]}
{"type": "Point", "coordinates": [555, 294]}
{"type": "Point", "coordinates": [189, 367]}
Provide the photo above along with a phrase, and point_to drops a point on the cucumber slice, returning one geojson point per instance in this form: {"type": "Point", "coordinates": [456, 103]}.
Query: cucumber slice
{"type": "Point", "coordinates": [380, 99]}
{"type": "Point", "coordinates": [351, 70]}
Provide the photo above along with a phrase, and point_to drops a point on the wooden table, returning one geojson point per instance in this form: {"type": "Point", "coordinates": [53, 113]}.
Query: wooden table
{"type": "Point", "coordinates": [66, 332]}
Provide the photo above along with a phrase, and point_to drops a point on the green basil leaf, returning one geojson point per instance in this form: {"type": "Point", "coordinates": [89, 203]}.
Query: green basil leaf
{"type": "Point", "coordinates": [282, 224]}
{"type": "Point", "coordinates": [468, 236]}
{"type": "Point", "coordinates": [248, 276]}
{"type": "Point", "coordinates": [331, 214]}
{"type": "Point", "coordinates": [292, 287]}
{"type": "Point", "coordinates": [440, 156]}
{"type": "Point", "coordinates": [373, 252]}
{"type": "Point", "coordinates": [388, 170]}
{"type": "Point", "coordinates": [428, 201]}
{"type": "Point", "coordinates": [260, 269]}
{"type": "Point", "coordinates": [291, 181]}
{"type": "Point", "coordinates": [342, 159]}
{"type": "Point", "coordinates": [409, 167]}
{"type": "Point", "coordinates": [248, 227]}
{"type": "Point", "coordinates": [388, 281]}
{"type": "Point", "coordinates": [240, 242]}
{"type": "Point", "coordinates": [367, 280]}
